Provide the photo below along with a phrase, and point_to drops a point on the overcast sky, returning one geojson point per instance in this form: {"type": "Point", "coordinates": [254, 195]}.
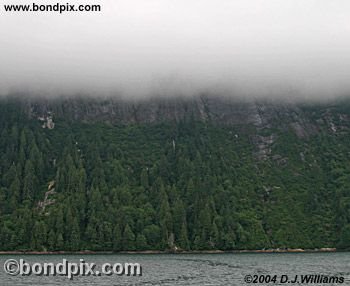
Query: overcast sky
{"type": "Point", "coordinates": [142, 47]}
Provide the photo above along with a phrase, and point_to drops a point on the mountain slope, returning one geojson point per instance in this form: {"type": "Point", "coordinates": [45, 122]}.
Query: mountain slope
{"type": "Point", "coordinates": [199, 173]}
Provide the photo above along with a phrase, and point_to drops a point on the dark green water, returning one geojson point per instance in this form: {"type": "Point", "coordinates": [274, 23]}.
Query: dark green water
{"type": "Point", "coordinates": [214, 269]}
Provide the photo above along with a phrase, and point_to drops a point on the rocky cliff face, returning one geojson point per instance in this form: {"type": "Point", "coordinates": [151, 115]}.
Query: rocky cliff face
{"type": "Point", "coordinates": [304, 119]}
{"type": "Point", "coordinates": [266, 118]}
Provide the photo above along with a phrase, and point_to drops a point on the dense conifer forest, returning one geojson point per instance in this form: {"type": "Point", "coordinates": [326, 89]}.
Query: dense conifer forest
{"type": "Point", "coordinates": [189, 184]}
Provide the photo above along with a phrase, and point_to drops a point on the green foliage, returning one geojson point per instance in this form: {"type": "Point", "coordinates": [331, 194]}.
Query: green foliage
{"type": "Point", "coordinates": [127, 187]}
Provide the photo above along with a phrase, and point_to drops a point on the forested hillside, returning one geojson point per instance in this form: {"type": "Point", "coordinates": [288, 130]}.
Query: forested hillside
{"type": "Point", "coordinates": [196, 175]}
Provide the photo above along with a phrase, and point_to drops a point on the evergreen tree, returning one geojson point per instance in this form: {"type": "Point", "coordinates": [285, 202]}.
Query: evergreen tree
{"type": "Point", "coordinates": [128, 239]}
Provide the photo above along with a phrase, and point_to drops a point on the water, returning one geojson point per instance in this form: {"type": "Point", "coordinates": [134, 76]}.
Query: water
{"type": "Point", "coordinates": [191, 269]}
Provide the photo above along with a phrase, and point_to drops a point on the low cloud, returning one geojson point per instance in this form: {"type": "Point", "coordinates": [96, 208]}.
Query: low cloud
{"type": "Point", "coordinates": [137, 48]}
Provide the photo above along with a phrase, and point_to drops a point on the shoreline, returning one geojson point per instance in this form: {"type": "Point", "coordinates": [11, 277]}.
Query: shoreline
{"type": "Point", "coordinates": [88, 252]}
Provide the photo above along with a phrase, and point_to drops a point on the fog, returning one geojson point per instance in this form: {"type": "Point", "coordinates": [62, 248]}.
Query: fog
{"type": "Point", "coordinates": [139, 48]}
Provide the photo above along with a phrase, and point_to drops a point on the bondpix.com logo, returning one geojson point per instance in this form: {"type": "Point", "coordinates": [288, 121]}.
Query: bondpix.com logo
{"type": "Point", "coordinates": [70, 269]}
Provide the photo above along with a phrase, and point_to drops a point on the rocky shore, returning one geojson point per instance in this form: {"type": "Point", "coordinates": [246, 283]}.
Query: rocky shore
{"type": "Point", "coordinates": [86, 252]}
